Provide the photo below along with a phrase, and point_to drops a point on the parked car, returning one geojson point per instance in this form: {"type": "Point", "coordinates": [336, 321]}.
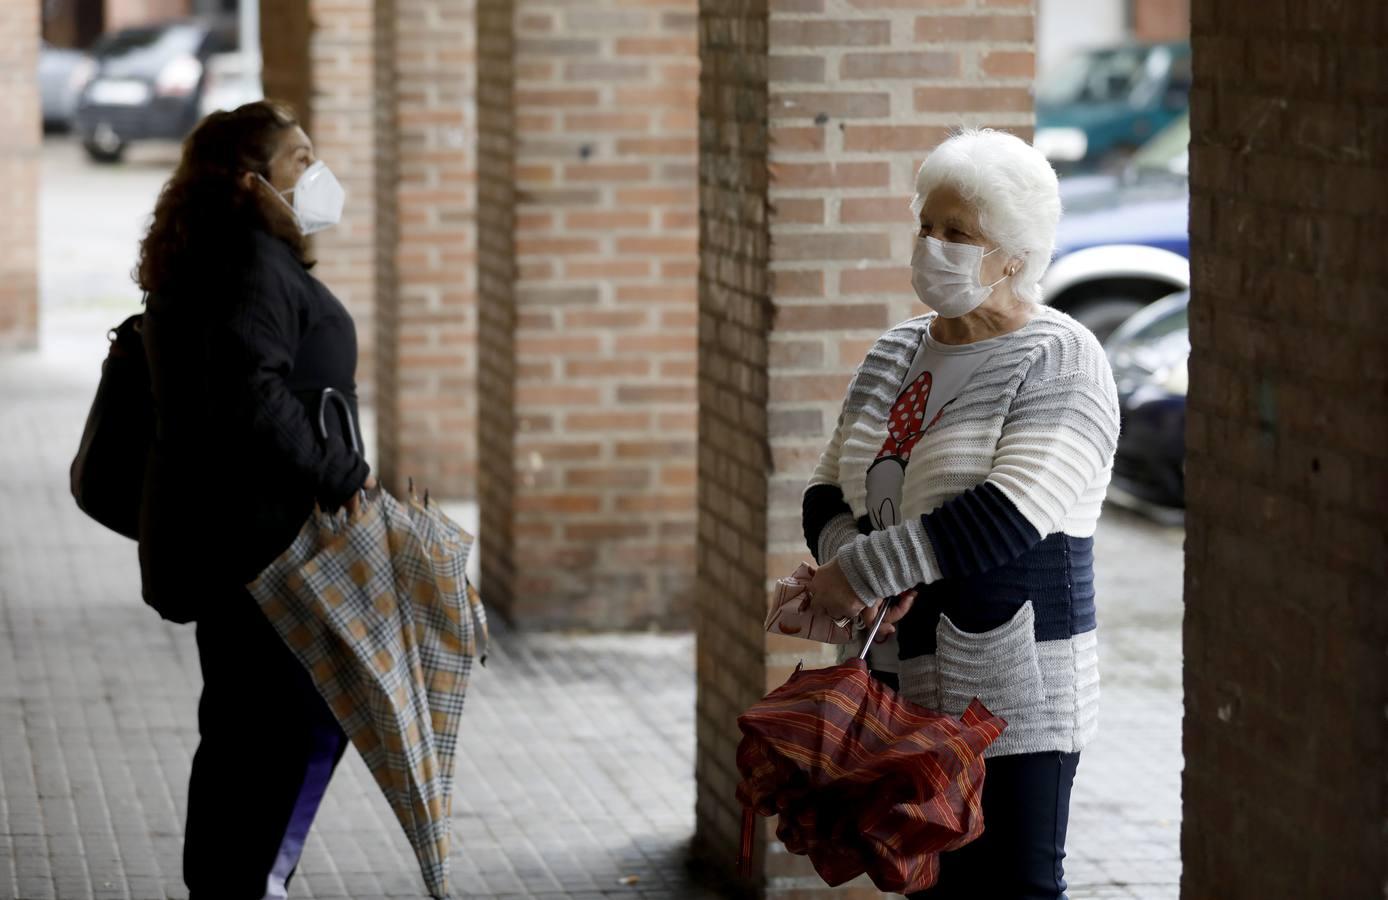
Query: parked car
{"type": "Point", "coordinates": [63, 72]}
{"type": "Point", "coordinates": [1124, 240]}
{"type": "Point", "coordinates": [1098, 107]}
{"type": "Point", "coordinates": [148, 84]}
{"type": "Point", "coordinates": [1149, 355]}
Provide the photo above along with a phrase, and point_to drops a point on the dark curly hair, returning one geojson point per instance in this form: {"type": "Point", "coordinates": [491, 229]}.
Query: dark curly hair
{"type": "Point", "coordinates": [205, 218]}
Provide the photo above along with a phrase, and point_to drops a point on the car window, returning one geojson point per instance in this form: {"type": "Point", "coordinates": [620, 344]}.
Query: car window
{"type": "Point", "coordinates": [1095, 76]}
{"type": "Point", "coordinates": [146, 50]}
{"type": "Point", "coordinates": [221, 40]}
{"type": "Point", "coordinates": [1175, 321]}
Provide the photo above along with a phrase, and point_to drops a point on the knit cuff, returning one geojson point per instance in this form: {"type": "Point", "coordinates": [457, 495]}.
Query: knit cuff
{"type": "Point", "coordinates": [887, 562]}
{"type": "Point", "coordinates": [836, 532]}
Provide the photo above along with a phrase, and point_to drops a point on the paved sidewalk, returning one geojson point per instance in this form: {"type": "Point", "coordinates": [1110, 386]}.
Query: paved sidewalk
{"type": "Point", "coordinates": [575, 763]}
{"type": "Point", "coordinates": [576, 758]}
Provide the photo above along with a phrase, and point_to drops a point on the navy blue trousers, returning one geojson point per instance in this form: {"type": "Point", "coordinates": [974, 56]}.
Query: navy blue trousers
{"type": "Point", "coordinates": [269, 747]}
{"type": "Point", "coordinates": [1021, 853]}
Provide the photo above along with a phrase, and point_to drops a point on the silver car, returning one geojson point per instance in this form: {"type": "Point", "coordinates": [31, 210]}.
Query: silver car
{"type": "Point", "coordinates": [63, 73]}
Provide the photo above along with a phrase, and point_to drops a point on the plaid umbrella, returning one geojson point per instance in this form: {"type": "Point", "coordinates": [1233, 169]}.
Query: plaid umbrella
{"type": "Point", "coordinates": [863, 780]}
{"type": "Point", "coordinates": [379, 611]}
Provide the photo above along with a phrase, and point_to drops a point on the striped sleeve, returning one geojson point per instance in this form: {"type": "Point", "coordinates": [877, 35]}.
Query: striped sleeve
{"type": "Point", "coordinates": [826, 517]}
{"type": "Point", "coordinates": [1058, 438]}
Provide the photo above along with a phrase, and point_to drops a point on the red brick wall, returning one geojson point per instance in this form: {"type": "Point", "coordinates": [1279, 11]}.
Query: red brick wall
{"type": "Point", "coordinates": [351, 49]}
{"type": "Point", "coordinates": [496, 277]}
{"type": "Point", "coordinates": [393, 114]}
{"type": "Point", "coordinates": [427, 397]}
{"type": "Point", "coordinates": [605, 306]}
{"type": "Point", "coordinates": [854, 98]}
{"type": "Point", "coordinates": [19, 173]}
{"type": "Point", "coordinates": [1286, 626]}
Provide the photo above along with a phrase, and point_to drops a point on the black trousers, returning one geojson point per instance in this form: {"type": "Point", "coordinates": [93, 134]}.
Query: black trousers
{"type": "Point", "coordinates": [269, 745]}
{"type": "Point", "coordinates": [1021, 853]}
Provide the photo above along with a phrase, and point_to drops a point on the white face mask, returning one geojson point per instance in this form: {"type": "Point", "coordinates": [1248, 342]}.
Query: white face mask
{"type": "Point", "coordinates": [318, 199]}
{"type": "Point", "coordinates": [946, 276]}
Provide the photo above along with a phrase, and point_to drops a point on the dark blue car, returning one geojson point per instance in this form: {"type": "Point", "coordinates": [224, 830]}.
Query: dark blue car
{"type": "Point", "coordinates": [1149, 355]}
{"type": "Point", "coordinates": [147, 83]}
{"type": "Point", "coordinates": [1123, 240]}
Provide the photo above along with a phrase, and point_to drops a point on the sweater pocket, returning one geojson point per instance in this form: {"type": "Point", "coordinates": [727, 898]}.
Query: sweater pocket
{"type": "Point", "coordinates": [1000, 667]}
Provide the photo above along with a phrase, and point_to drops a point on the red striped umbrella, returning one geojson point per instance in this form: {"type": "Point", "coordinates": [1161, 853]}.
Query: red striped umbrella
{"type": "Point", "coordinates": [863, 781]}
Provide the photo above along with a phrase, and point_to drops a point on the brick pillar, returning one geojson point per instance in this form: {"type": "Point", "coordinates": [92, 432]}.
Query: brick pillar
{"type": "Point", "coordinates": [386, 91]}
{"type": "Point", "coordinates": [351, 53]}
{"type": "Point", "coordinates": [426, 399]}
{"type": "Point", "coordinates": [854, 98]}
{"type": "Point", "coordinates": [286, 67]}
{"type": "Point", "coordinates": [604, 352]}
{"type": "Point", "coordinates": [734, 466]}
{"type": "Point", "coordinates": [20, 140]}
{"type": "Point", "coordinates": [334, 61]}
{"type": "Point", "coordinates": [1286, 628]}
{"type": "Point", "coordinates": [496, 279]}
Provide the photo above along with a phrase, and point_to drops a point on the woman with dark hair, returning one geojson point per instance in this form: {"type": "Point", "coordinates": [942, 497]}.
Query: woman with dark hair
{"type": "Point", "coordinates": [242, 341]}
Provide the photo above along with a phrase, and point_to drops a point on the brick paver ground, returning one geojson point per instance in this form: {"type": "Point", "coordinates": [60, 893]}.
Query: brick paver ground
{"type": "Point", "coordinates": [575, 765]}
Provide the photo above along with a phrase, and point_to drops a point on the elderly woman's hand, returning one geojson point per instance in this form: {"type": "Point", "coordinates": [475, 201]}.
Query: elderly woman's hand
{"type": "Point", "coordinates": [831, 594]}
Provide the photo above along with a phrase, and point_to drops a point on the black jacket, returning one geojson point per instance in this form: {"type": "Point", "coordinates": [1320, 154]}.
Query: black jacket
{"type": "Point", "coordinates": [238, 363]}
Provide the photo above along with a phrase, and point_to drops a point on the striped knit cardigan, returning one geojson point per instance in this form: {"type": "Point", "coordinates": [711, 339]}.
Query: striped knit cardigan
{"type": "Point", "coordinates": [999, 507]}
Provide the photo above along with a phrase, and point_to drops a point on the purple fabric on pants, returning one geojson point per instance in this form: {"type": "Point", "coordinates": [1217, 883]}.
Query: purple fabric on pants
{"type": "Point", "coordinates": [327, 746]}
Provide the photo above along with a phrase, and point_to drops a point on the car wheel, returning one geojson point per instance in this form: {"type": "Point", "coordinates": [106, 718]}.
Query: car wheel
{"type": "Point", "coordinates": [104, 145]}
{"type": "Point", "coordinates": [1102, 315]}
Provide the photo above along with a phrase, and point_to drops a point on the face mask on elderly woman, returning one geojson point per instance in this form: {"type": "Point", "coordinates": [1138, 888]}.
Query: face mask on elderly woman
{"type": "Point", "coordinates": [946, 276]}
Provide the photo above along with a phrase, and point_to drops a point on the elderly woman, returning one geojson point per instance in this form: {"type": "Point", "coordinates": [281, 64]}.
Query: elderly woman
{"type": "Point", "coordinates": [965, 477]}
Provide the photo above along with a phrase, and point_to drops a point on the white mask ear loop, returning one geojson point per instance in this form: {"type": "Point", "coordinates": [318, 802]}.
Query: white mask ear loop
{"type": "Point", "coordinates": [1005, 274]}
{"type": "Point", "coordinates": [279, 194]}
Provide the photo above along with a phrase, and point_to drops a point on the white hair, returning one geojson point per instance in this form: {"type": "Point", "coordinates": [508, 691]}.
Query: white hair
{"type": "Point", "coordinates": [1013, 189]}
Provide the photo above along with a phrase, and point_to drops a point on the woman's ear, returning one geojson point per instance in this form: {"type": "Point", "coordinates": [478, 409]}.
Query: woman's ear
{"type": "Point", "coordinates": [248, 180]}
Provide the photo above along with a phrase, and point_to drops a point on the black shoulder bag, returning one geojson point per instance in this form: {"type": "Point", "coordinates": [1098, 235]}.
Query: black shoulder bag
{"type": "Point", "coordinates": [108, 472]}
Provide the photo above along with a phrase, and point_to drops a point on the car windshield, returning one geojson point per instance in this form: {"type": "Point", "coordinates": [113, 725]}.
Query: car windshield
{"type": "Point", "coordinates": [1175, 320]}
{"type": "Point", "coordinates": [1094, 76]}
{"type": "Point", "coordinates": [1168, 150]}
{"type": "Point", "coordinates": [144, 51]}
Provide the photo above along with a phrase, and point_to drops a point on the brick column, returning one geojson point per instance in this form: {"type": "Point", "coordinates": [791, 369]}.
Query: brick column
{"type": "Point", "coordinates": [604, 352]}
{"type": "Point", "coordinates": [334, 62]}
{"type": "Point", "coordinates": [286, 68]}
{"type": "Point", "coordinates": [426, 399]}
{"type": "Point", "coordinates": [854, 98]}
{"type": "Point", "coordinates": [496, 278]}
{"type": "Point", "coordinates": [351, 53]}
{"type": "Point", "coordinates": [1286, 628]}
{"type": "Point", "coordinates": [734, 466]}
{"type": "Point", "coordinates": [386, 91]}
{"type": "Point", "coordinates": [20, 140]}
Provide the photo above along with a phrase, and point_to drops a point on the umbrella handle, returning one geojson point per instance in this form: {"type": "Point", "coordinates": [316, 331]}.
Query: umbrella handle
{"type": "Point", "coordinates": [876, 627]}
{"type": "Point", "coordinates": [345, 408]}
